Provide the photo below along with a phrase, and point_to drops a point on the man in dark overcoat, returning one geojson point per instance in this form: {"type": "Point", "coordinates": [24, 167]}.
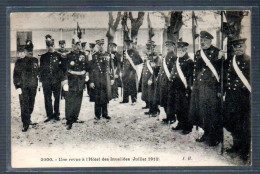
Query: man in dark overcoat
{"type": "Point", "coordinates": [117, 64]}
{"type": "Point", "coordinates": [180, 88]}
{"type": "Point", "coordinates": [237, 100]}
{"type": "Point", "coordinates": [205, 104]}
{"type": "Point", "coordinates": [161, 91]}
{"type": "Point", "coordinates": [25, 78]}
{"type": "Point", "coordinates": [52, 69]}
{"type": "Point", "coordinates": [130, 79]}
{"type": "Point", "coordinates": [101, 79]}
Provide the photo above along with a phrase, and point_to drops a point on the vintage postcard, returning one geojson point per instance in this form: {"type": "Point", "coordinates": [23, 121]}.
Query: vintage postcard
{"type": "Point", "coordinates": [120, 89]}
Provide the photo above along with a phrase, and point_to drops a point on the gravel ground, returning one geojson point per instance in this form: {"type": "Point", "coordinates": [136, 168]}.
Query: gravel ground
{"type": "Point", "coordinates": [129, 134]}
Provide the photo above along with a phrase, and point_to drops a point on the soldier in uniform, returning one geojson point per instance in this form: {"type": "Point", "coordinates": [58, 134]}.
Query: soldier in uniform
{"type": "Point", "coordinates": [101, 80]}
{"type": "Point", "coordinates": [237, 101]}
{"type": "Point", "coordinates": [63, 52]}
{"type": "Point", "coordinates": [161, 93]}
{"type": "Point", "coordinates": [205, 104]}
{"type": "Point", "coordinates": [52, 69]}
{"type": "Point", "coordinates": [129, 76]}
{"type": "Point", "coordinates": [116, 63]}
{"type": "Point", "coordinates": [77, 68]}
{"type": "Point", "coordinates": [149, 74]}
{"type": "Point", "coordinates": [25, 78]}
{"type": "Point", "coordinates": [89, 54]}
{"type": "Point", "coordinates": [180, 88]}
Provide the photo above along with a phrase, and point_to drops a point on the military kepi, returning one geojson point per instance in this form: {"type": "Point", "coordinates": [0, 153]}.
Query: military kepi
{"type": "Point", "coordinates": [29, 46]}
{"type": "Point", "coordinates": [238, 41]}
{"type": "Point", "coordinates": [182, 44]}
{"type": "Point", "coordinates": [207, 35]}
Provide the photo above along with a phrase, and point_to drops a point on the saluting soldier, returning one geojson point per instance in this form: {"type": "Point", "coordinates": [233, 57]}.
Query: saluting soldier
{"type": "Point", "coordinates": [180, 88]}
{"type": "Point", "coordinates": [205, 104]}
{"type": "Point", "coordinates": [129, 76]}
{"type": "Point", "coordinates": [52, 69]}
{"type": "Point", "coordinates": [116, 63]}
{"type": "Point", "coordinates": [237, 101]}
{"type": "Point", "coordinates": [161, 94]}
{"type": "Point", "coordinates": [25, 78]}
{"type": "Point", "coordinates": [77, 68]}
{"type": "Point", "coordinates": [101, 79]}
{"type": "Point", "coordinates": [149, 74]}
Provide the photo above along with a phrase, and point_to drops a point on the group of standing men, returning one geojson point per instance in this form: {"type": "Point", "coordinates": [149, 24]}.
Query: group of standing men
{"type": "Point", "coordinates": [209, 91]}
{"type": "Point", "coordinates": [188, 89]}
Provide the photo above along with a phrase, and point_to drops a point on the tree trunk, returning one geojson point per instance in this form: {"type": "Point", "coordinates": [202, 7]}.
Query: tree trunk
{"type": "Point", "coordinates": [135, 25]}
{"type": "Point", "coordinates": [112, 27]}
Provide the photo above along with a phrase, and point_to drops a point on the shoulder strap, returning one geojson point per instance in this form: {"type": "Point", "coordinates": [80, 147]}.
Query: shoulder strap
{"type": "Point", "coordinates": [209, 64]}
{"type": "Point", "coordinates": [130, 60]}
{"type": "Point", "coordinates": [167, 72]}
{"type": "Point", "coordinates": [182, 77]}
{"type": "Point", "coordinates": [149, 66]}
{"type": "Point", "coordinates": [241, 75]}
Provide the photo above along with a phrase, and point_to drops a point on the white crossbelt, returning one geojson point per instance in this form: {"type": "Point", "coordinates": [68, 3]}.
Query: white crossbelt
{"type": "Point", "coordinates": [209, 64]}
{"type": "Point", "coordinates": [77, 72]}
{"type": "Point", "coordinates": [183, 79]}
{"type": "Point", "coordinates": [130, 60]}
{"type": "Point", "coordinates": [167, 72]}
{"type": "Point", "coordinates": [149, 66]}
{"type": "Point", "coordinates": [240, 74]}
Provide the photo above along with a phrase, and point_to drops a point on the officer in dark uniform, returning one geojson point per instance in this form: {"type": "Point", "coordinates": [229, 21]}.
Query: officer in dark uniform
{"type": "Point", "coordinates": [63, 52]}
{"type": "Point", "coordinates": [161, 94]}
{"type": "Point", "coordinates": [149, 74]}
{"type": "Point", "coordinates": [237, 101]}
{"type": "Point", "coordinates": [52, 68]}
{"type": "Point", "coordinates": [116, 63]}
{"type": "Point", "coordinates": [101, 79]}
{"type": "Point", "coordinates": [25, 78]}
{"type": "Point", "coordinates": [129, 75]}
{"type": "Point", "coordinates": [180, 88]}
{"type": "Point", "coordinates": [205, 104]}
{"type": "Point", "coordinates": [89, 54]}
{"type": "Point", "coordinates": [77, 68]}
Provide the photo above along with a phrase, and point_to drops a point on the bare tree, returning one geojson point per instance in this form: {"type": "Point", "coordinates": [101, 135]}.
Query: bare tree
{"type": "Point", "coordinates": [135, 25]}
{"type": "Point", "coordinates": [112, 26]}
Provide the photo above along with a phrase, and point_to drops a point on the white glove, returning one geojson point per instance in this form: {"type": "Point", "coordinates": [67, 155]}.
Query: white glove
{"type": "Point", "coordinates": [112, 82]}
{"type": "Point", "coordinates": [66, 87]}
{"type": "Point", "coordinates": [150, 82]}
{"type": "Point", "coordinates": [116, 76]}
{"type": "Point", "coordinates": [92, 85]}
{"type": "Point", "coordinates": [19, 91]}
{"type": "Point", "coordinates": [87, 78]}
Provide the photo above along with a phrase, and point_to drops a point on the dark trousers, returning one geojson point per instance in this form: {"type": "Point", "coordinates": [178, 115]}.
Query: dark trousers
{"type": "Point", "coordinates": [153, 109]}
{"type": "Point", "coordinates": [127, 93]}
{"type": "Point", "coordinates": [170, 117]}
{"type": "Point", "coordinates": [73, 100]}
{"type": "Point", "coordinates": [101, 109]}
{"type": "Point", "coordinates": [27, 99]}
{"type": "Point", "coordinates": [48, 90]}
{"type": "Point", "coordinates": [114, 90]}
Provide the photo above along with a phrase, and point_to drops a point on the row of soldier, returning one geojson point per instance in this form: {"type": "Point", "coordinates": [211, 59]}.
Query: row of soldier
{"type": "Point", "coordinates": [188, 89]}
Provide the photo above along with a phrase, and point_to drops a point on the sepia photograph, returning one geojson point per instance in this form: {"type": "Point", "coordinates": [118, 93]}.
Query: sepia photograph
{"type": "Point", "coordinates": [130, 88]}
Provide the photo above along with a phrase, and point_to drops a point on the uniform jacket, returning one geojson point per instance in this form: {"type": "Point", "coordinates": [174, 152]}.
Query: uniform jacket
{"type": "Point", "coordinates": [186, 65]}
{"type": "Point", "coordinates": [161, 93]}
{"type": "Point", "coordinates": [100, 75]}
{"type": "Point", "coordinates": [26, 72]}
{"type": "Point", "coordinates": [52, 68]}
{"type": "Point", "coordinates": [76, 62]}
{"type": "Point", "coordinates": [205, 103]}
